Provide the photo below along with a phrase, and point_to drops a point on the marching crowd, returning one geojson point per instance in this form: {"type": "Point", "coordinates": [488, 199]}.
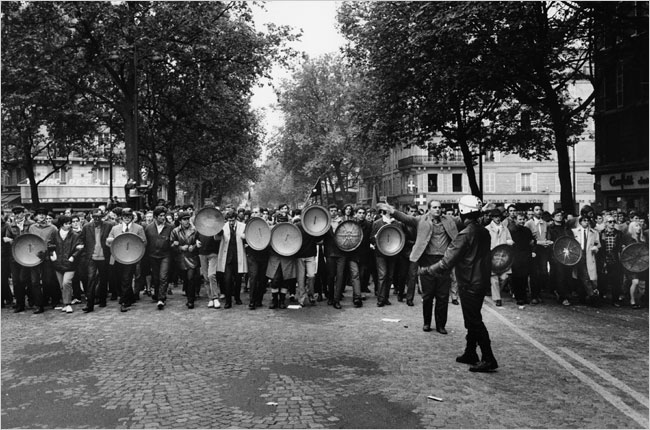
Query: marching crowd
{"type": "Point", "coordinates": [79, 263]}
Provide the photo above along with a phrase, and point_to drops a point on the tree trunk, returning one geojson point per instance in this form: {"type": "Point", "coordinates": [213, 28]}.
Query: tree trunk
{"type": "Point", "coordinates": [564, 169]}
{"type": "Point", "coordinates": [333, 189]}
{"type": "Point", "coordinates": [29, 169]}
{"type": "Point", "coordinates": [171, 177]}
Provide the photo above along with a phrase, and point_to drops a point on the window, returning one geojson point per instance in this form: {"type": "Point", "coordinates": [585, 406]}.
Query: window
{"type": "Point", "coordinates": [433, 183]}
{"type": "Point", "coordinates": [101, 175]}
{"type": "Point", "coordinates": [61, 175]}
{"type": "Point", "coordinates": [490, 182]}
{"type": "Point", "coordinates": [525, 181]}
{"type": "Point", "coordinates": [457, 182]}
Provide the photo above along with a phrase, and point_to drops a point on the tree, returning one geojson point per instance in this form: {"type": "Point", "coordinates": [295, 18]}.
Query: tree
{"type": "Point", "coordinates": [321, 137]}
{"type": "Point", "coordinates": [188, 68]}
{"type": "Point", "coordinates": [41, 116]}
{"type": "Point", "coordinates": [539, 50]}
{"type": "Point", "coordinates": [432, 83]}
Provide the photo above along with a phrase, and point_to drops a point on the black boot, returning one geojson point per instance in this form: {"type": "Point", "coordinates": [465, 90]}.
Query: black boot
{"type": "Point", "coordinates": [469, 356]}
{"type": "Point", "coordinates": [274, 301]}
{"type": "Point", "coordinates": [282, 305]}
{"type": "Point", "coordinates": [488, 363]}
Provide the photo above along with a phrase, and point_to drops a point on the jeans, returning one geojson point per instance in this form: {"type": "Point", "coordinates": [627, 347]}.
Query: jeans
{"type": "Point", "coordinates": [159, 276]}
{"type": "Point", "coordinates": [306, 274]}
{"type": "Point", "coordinates": [385, 273]}
{"type": "Point", "coordinates": [97, 282]}
{"type": "Point", "coordinates": [65, 282]}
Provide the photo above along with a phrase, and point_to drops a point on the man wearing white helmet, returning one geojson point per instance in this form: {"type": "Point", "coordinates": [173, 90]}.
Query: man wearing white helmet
{"type": "Point", "coordinates": [469, 254]}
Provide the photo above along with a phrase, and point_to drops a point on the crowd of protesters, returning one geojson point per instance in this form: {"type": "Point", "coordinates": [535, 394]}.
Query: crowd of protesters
{"type": "Point", "coordinates": [78, 267]}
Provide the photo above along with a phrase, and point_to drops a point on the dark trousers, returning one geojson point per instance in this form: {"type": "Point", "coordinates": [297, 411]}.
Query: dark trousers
{"type": "Point", "coordinates": [364, 276]}
{"type": "Point", "coordinates": [401, 274]}
{"type": "Point", "coordinates": [113, 277]}
{"type": "Point", "coordinates": [192, 282]}
{"type": "Point", "coordinates": [612, 279]}
{"type": "Point", "coordinates": [539, 273]}
{"type": "Point", "coordinates": [560, 279]}
{"type": "Point", "coordinates": [519, 285]}
{"type": "Point", "coordinates": [126, 273]}
{"type": "Point", "coordinates": [434, 287]}
{"type": "Point", "coordinates": [257, 279]}
{"type": "Point", "coordinates": [320, 283]}
{"type": "Point", "coordinates": [159, 276]}
{"type": "Point", "coordinates": [231, 283]}
{"type": "Point", "coordinates": [21, 279]}
{"type": "Point", "coordinates": [477, 333]}
{"type": "Point", "coordinates": [43, 285]}
{"type": "Point", "coordinates": [335, 277]}
{"type": "Point", "coordinates": [7, 295]}
{"type": "Point", "coordinates": [96, 285]}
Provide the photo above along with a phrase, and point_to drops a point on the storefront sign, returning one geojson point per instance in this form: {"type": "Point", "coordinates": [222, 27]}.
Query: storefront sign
{"type": "Point", "coordinates": [624, 181]}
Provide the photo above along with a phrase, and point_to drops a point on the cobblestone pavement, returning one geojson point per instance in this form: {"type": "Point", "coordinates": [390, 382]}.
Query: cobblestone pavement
{"type": "Point", "coordinates": [319, 367]}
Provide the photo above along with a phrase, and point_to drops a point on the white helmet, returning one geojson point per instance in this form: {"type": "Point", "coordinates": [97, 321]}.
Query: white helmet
{"type": "Point", "coordinates": [468, 204]}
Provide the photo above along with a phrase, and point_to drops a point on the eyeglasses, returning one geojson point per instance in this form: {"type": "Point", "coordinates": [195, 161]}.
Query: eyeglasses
{"type": "Point", "coordinates": [611, 221]}
{"type": "Point", "coordinates": [436, 207]}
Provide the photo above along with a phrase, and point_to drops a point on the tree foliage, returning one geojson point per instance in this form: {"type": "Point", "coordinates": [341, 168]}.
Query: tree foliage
{"type": "Point", "coordinates": [188, 68]}
{"type": "Point", "coordinates": [41, 116]}
{"type": "Point", "coordinates": [322, 137]}
{"type": "Point", "coordinates": [494, 75]}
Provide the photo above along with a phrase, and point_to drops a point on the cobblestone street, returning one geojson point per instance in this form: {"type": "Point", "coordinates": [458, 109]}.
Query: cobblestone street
{"type": "Point", "coordinates": [319, 367]}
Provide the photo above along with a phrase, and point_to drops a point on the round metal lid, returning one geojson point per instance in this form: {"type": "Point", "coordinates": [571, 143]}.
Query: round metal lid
{"type": "Point", "coordinates": [128, 248]}
{"type": "Point", "coordinates": [634, 257]}
{"type": "Point", "coordinates": [25, 249]}
{"type": "Point", "coordinates": [209, 221]}
{"type": "Point", "coordinates": [316, 220]}
{"type": "Point", "coordinates": [286, 239]}
{"type": "Point", "coordinates": [567, 251]}
{"type": "Point", "coordinates": [390, 240]}
{"type": "Point", "coordinates": [258, 233]}
{"type": "Point", "coordinates": [348, 236]}
{"type": "Point", "coordinates": [502, 257]}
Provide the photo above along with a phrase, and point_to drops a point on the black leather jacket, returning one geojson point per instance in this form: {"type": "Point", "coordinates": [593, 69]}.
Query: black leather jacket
{"type": "Point", "coordinates": [469, 254]}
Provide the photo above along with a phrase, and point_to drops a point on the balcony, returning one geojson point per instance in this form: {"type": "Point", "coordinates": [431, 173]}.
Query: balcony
{"type": "Point", "coordinates": [423, 160]}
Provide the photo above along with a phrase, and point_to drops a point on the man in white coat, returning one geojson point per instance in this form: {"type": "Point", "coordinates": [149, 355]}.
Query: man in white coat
{"type": "Point", "coordinates": [585, 270]}
{"type": "Point", "coordinates": [231, 259]}
{"type": "Point", "coordinates": [499, 235]}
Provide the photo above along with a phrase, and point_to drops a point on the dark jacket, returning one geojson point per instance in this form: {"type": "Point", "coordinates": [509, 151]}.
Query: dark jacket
{"type": "Point", "coordinates": [87, 237]}
{"type": "Point", "coordinates": [523, 246]}
{"type": "Point", "coordinates": [308, 247]}
{"type": "Point", "coordinates": [158, 245]}
{"type": "Point", "coordinates": [65, 249]}
{"type": "Point", "coordinates": [469, 254]}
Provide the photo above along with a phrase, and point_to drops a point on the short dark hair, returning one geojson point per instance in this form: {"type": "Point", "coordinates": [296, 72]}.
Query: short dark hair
{"type": "Point", "coordinates": [63, 219]}
{"type": "Point", "coordinates": [159, 210]}
{"type": "Point", "coordinates": [333, 206]}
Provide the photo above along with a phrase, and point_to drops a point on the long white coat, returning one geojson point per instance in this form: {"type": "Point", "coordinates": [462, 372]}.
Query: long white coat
{"type": "Point", "coordinates": [593, 244]}
{"type": "Point", "coordinates": [224, 237]}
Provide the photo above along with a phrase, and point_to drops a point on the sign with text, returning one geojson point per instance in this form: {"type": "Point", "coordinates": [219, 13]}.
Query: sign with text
{"type": "Point", "coordinates": [624, 181]}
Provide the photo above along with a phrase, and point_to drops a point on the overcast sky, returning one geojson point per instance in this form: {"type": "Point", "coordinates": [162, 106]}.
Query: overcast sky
{"type": "Point", "coordinates": [317, 19]}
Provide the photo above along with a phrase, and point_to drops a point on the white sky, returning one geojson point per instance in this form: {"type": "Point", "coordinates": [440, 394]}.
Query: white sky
{"type": "Point", "coordinates": [317, 19]}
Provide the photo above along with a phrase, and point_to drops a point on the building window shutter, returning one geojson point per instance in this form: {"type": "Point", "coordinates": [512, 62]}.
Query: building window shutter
{"type": "Point", "coordinates": [518, 182]}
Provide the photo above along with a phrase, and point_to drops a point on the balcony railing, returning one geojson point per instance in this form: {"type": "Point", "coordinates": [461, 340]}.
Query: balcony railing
{"type": "Point", "coordinates": [423, 160]}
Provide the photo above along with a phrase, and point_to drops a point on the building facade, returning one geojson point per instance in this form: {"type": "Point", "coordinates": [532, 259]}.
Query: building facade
{"type": "Point", "coordinates": [411, 176]}
{"type": "Point", "coordinates": [621, 114]}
